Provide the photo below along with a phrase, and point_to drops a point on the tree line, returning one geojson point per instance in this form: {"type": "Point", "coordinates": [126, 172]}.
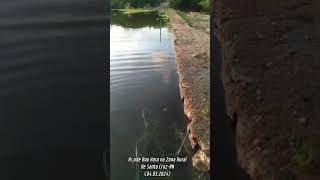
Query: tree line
{"type": "Point", "coordinates": [119, 4]}
{"type": "Point", "coordinates": [194, 5]}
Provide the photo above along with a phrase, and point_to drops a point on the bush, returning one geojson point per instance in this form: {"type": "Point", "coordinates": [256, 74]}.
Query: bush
{"type": "Point", "coordinates": [119, 4]}
{"type": "Point", "coordinates": [186, 4]}
{"type": "Point", "coordinates": [147, 6]}
{"type": "Point", "coordinates": [307, 157]}
{"type": "Point", "coordinates": [205, 4]}
{"type": "Point", "coordinates": [175, 3]}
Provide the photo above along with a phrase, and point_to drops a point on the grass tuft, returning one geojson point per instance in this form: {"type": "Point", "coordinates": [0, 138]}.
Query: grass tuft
{"type": "Point", "coordinates": [134, 10]}
{"type": "Point", "coordinates": [205, 111]}
{"type": "Point", "coordinates": [185, 17]}
{"type": "Point", "coordinates": [307, 157]}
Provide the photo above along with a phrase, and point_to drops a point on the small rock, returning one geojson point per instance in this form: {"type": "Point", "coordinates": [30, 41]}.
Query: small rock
{"type": "Point", "coordinates": [265, 152]}
{"type": "Point", "coordinates": [259, 92]}
{"type": "Point", "coordinates": [259, 98]}
{"type": "Point", "coordinates": [306, 37]}
{"type": "Point", "coordinates": [294, 112]}
{"type": "Point", "coordinates": [195, 55]}
{"type": "Point", "coordinates": [258, 118]}
{"type": "Point", "coordinates": [292, 51]}
{"type": "Point", "coordinates": [201, 161]}
{"type": "Point", "coordinates": [260, 36]}
{"type": "Point", "coordinates": [188, 130]}
{"type": "Point", "coordinates": [256, 142]}
{"type": "Point", "coordinates": [243, 84]}
{"type": "Point", "coordinates": [192, 140]}
{"type": "Point", "coordinates": [302, 120]}
{"type": "Point", "coordinates": [269, 64]}
{"type": "Point", "coordinates": [188, 114]}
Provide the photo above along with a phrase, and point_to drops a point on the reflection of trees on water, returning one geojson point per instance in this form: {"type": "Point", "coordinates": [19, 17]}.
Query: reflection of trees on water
{"type": "Point", "coordinates": [136, 20]}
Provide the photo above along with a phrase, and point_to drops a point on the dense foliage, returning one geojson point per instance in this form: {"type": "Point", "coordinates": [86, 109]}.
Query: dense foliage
{"type": "Point", "coordinates": [195, 5]}
{"type": "Point", "coordinates": [205, 4]}
{"type": "Point", "coordinates": [118, 4]}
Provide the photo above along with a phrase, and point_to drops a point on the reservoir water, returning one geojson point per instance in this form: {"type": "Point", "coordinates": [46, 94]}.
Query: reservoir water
{"type": "Point", "coordinates": [52, 89]}
{"type": "Point", "coordinates": [145, 107]}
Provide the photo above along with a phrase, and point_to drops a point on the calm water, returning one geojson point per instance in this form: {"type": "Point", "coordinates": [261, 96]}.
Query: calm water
{"type": "Point", "coordinates": [143, 77]}
{"type": "Point", "coordinates": [52, 89]}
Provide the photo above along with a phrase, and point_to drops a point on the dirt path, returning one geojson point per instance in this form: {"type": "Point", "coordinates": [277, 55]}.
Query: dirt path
{"type": "Point", "coordinates": [193, 56]}
{"type": "Point", "coordinates": [198, 20]}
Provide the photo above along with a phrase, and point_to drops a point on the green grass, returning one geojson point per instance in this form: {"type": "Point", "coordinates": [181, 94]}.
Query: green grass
{"type": "Point", "coordinates": [185, 17]}
{"type": "Point", "coordinates": [134, 10]}
{"type": "Point", "coordinates": [205, 111]}
{"type": "Point", "coordinates": [307, 157]}
{"type": "Point", "coordinates": [166, 17]}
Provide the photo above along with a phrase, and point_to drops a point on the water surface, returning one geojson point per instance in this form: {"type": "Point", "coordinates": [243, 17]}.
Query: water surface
{"type": "Point", "coordinates": [52, 89]}
{"type": "Point", "coordinates": [143, 76]}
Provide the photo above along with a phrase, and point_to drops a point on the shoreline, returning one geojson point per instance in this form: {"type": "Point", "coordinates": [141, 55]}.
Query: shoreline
{"type": "Point", "coordinates": [134, 10]}
{"type": "Point", "coordinates": [192, 48]}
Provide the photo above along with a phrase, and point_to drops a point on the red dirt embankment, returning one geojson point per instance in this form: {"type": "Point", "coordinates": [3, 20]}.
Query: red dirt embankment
{"type": "Point", "coordinates": [193, 63]}
{"type": "Point", "coordinates": [271, 76]}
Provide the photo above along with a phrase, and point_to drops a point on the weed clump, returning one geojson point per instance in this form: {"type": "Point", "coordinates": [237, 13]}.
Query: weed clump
{"type": "Point", "coordinates": [307, 157]}
{"type": "Point", "coordinates": [185, 17]}
{"type": "Point", "coordinates": [205, 111]}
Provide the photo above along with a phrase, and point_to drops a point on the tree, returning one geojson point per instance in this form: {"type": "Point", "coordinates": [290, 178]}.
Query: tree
{"type": "Point", "coordinates": [118, 4]}
{"type": "Point", "coordinates": [205, 4]}
{"type": "Point", "coordinates": [185, 4]}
